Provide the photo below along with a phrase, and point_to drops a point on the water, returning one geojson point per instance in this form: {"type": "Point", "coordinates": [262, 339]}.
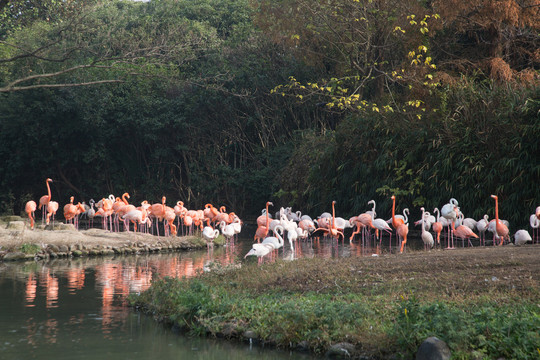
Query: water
{"type": "Point", "coordinates": [76, 308]}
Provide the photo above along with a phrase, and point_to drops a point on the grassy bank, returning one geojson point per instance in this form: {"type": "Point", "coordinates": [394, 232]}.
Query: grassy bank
{"type": "Point", "coordinates": [482, 302]}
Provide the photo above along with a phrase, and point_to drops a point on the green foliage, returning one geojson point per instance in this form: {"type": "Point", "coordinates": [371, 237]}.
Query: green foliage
{"type": "Point", "coordinates": [30, 248]}
{"type": "Point", "coordinates": [486, 330]}
{"type": "Point", "coordinates": [320, 319]}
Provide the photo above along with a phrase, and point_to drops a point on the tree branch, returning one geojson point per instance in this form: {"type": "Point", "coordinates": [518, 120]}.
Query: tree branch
{"type": "Point", "coordinates": [29, 87]}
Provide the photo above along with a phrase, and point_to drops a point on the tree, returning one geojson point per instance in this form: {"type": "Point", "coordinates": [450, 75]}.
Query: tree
{"type": "Point", "coordinates": [92, 43]}
{"type": "Point", "coordinates": [372, 51]}
{"type": "Point", "coordinates": [499, 37]}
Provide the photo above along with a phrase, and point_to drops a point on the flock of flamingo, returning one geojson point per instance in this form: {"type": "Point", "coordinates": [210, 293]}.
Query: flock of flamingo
{"type": "Point", "coordinates": [270, 232]}
{"type": "Point", "coordinates": [113, 210]}
{"type": "Point", "coordinates": [298, 226]}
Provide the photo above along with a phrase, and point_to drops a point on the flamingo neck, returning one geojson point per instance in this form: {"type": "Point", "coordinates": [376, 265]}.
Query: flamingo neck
{"type": "Point", "coordinates": [333, 215]}
{"type": "Point", "coordinates": [423, 221]}
{"type": "Point", "coordinates": [48, 190]}
{"type": "Point", "coordinates": [497, 210]}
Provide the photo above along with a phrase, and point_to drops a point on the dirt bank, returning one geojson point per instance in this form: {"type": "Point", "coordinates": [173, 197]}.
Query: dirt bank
{"type": "Point", "coordinates": [19, 242]}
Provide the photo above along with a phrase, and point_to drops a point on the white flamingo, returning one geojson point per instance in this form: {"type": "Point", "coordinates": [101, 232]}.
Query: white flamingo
{"type": "Point", "coordinates": [427, 238]}
{"type": "Point", "coordinates": [481, 226]}
{"type": "Point", "coordinates": [450, 212]}
{"type": "Point", "coordinates": [521, 237]}
{"type": "Point", "coordinates": [209, 234]}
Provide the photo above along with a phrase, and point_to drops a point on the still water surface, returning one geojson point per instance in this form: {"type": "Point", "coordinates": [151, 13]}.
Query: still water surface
{"type": "Point", "coordinates": [75, 309]}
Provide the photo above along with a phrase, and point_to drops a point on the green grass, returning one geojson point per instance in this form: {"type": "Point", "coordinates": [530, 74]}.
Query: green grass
{"type": "Point", "coordinates": [30, 248]}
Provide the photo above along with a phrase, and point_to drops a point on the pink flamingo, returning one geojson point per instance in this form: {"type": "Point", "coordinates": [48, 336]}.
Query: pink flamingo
{"type": "Point", "coordinates": [333, 231]}
{"type": "Point", "coordinates": [463, 232]}
{"type": "Point", "coordinates": [399, 224]}
{"type": "Point", "coordinates": [30, 209]}
{"type": "Point", "coordinates": [262, 230]}
{"type": "Point", "coordinates": [500, 229]}
{"type": "Point", "coordinates": [437, 226]}
{"type": "Point", "coordinates": [44, 200]}
{"type": "Point", "coordinates": [52, 208]}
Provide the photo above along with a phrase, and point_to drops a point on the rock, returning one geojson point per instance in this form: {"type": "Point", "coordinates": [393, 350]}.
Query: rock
{"type": "Point", "coordinates": [248, 334]}
{"type": "Point", "coordinates": [77, 253]}
{"type": "Point", "coordinates": [433, 349]}
{"type": "Point", "coordinates": [63, 248]}
{"type": "Point", "coordinates": [16, 225]}
{"type": "Point", "coordinates": [69, 227]}
{"type": "Point", "coordinates": [341, 350]}
{"type": "Point", "coordinates": [14, 256]}
{"type": "Point", "coordinates": [53, 248]}
{"type": "Point", "coordinates": [9, 218]}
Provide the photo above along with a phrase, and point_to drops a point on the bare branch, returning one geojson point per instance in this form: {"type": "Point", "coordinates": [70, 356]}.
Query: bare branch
{"type": "Point", "coordinates": [29, 87]}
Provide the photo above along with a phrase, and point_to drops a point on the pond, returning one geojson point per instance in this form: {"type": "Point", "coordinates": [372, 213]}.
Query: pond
{"type": "Point", "coordinates": [76, 308]}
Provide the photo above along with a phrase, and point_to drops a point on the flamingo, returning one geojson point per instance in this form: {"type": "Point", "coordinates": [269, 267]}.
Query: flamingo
{"type": "Point", "coordinates": [450, 211]}
{"type": "Point", "coordinates": [237, 225]}
{"type": "Point", "coordinates": [169, 217]}
{"type": "Point", "coordinates": [30, 209]}
{"type": "Point", "coordinates": [437, 225]}
{"type": "Point", "coordinates": [372, 211]}
{"type": "Point", "coordinates": [521, 237]}
{"type": "Point", "coordinates": [275, 241]}
{"type": "Point", "coordinates": [210, 234]}
{"type": "Point", "coordinates": [481, 226]}
{"type": "Point", "coordinates": [260, 251]}
{"type": "Point", "coordinates": [535, 224]}
{"type": "Point", "coordinates": [306, 225]}
{"type": "Point", "coordinates": [381, 226]}
{"type": "Point", "coordinates": [227, 230]}
{"type": "Point", "coordinates": [262, 230]}
{"type": "Point", "coordinates": [137, 217]}
{"type": "Point", "coordinates": [332, 230]}
{"type": "Point", "coordinates": [399, 224]}
{"type": "Point", "coordinates": [366, 220]}
{"type": "Point", "coordinates": [52, 208]}
{"type": "Point", "coordinates": [403, 231]}
{"type": "Point", "coordinates": [70, 210]}
{"type": "Point", "coordinates": [292, 236]}
{"type": "Point", "coordinates": [464, 232]}
{"type": "Point", "coordinates": [427, 221]}
{"type": "Point", "coordinates": [500, 228]}
{"type": "Point", "coordinates": [396, 221]}
{"type": "Point", "coordinates": [158, 211]}
{"type": "Point", "coordinates": [427, 238]}
{"type": "Point", "coordinates": [44, 200]}
{"type": "Point", "coordinates": [91, 213]}
{"type": "Point", "coordinates": [468, 222]}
